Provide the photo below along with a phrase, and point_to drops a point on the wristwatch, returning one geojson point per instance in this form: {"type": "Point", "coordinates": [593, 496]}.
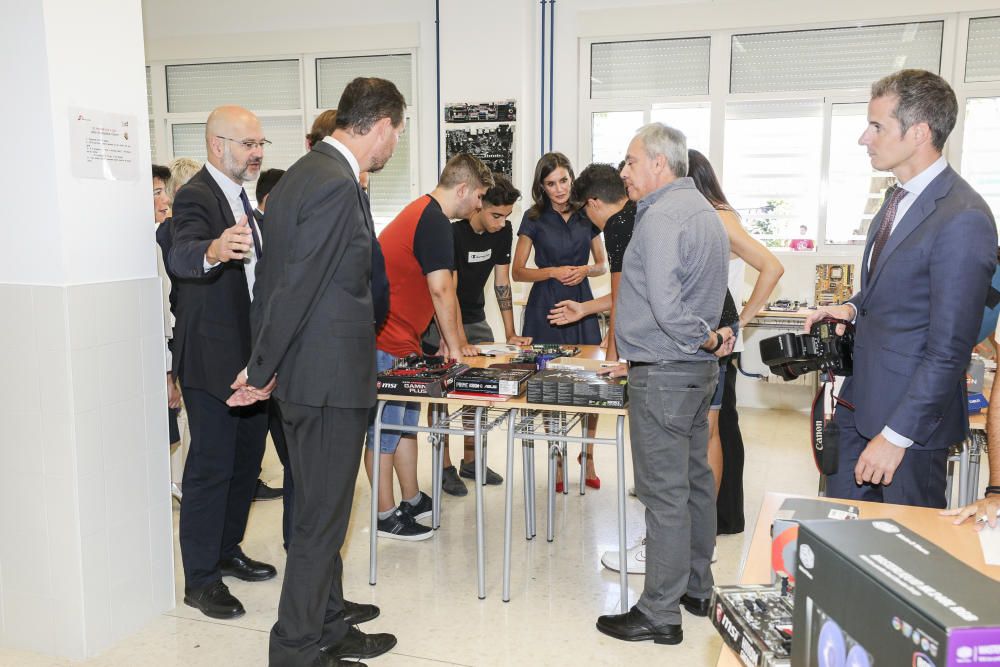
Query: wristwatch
{"type": "Point", "coordinates": [718, 342]}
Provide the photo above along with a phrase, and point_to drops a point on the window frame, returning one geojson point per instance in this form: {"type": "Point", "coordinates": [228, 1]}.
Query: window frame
{"type": "Point", "coordinates": [954, 45]}
{"type": "Point", "coordinates": [164, 120]}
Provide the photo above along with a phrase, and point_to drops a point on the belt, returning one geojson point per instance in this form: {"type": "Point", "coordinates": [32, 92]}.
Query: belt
{"type": "Point", "coordinates": [636, 364]}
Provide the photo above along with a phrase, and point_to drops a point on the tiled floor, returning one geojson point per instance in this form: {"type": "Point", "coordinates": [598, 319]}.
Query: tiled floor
{"type": "Point", "coordinates": [427, 589]}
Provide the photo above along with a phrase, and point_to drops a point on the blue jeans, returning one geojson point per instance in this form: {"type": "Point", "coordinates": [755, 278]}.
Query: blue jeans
{"type": "Point", "coordinates": [395, 412]}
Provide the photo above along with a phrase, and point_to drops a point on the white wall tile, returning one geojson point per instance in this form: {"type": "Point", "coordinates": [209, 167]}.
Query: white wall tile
{"type": "Point", "coordinates": [63, 537]}
{"type": "Point", "coordinates": [83, 303]}
{"type": "Point", "coordinates": [118, 311]}
{"type": "Point", "coordinates": [27, 623]}
{"type": "Point", "coordinates": [158, 471]}
{"type": "Point", "coordinates": [154, 366]}
{"type": "Point", "coordinates": [17, 334]}
{"type": "Point", "coordinates": [127, 493]}
{"type": "Point", "coordinates": [120, 371]}
{"type": "Point", "coordinates": [58, 450]}
{"type": "Point", "coordinates": [123, 430]}
{"type": "Point", "coordinates": [19, 368]}
{"type": "Point", "coordinates": [23, 549]}
{"type": "Point", "coordinates": [89, 447]}
{"type": "Point", "coordinates": [93, 506]}
{"type": "Point", "coordinates": [53, 382]}
{"type": "Point", "coordinates": [96, 591]}
{"type": "Point", "coordinates": [85, 363]}
{"type": "Point", "coordinates": [150, 308]}
{"type": "Point", "coordinates": [21, 448]}
{"type": "Point", "coordinates": [51, 327]}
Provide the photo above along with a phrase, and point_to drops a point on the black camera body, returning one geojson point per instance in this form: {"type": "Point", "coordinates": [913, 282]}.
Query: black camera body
{"type": "Point", "coordinates": [822, 349]}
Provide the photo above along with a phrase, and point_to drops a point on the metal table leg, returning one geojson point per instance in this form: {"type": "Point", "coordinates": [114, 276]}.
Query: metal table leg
{"type": "Point", "coordinates": [551, 492]}
{"type": "Point", "coordinates": [480, 537]}
{"type": "Point", "coordinates": [584, 423]}
{"type": "Point", "coordinates": [532, 487]}
{"type": "Point", "coordinates": [376, 455]}
{"type": "Point", "coordinates": [508, 507]}
{"type": "Point", "coordinates": [622, 561]}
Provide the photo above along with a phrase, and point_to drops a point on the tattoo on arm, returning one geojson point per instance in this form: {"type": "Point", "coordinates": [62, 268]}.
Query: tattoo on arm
{"type": "Point", "coordinates": [503, 297]}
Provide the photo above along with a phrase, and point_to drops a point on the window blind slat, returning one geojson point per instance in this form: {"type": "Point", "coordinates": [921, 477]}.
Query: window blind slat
{"type": "Point", "coordinates": [834, 58]}
{"type": "Point", "coordinates": [256, 85]}
{"type": "Point", "coordinates": [982, 62]}
{"type": "Point", "coordinates": [649, 68]}
{"type": "Point", "coordinates": [333, 75]}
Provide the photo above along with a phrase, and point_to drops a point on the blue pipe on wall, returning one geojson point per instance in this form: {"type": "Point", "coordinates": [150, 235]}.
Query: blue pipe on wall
{"type": "Point", "coordinates": [437, 45]}
{"type": "Point", "coordinates": [552, 54]}
{"type": "Point", "coordinates": [541, 92]}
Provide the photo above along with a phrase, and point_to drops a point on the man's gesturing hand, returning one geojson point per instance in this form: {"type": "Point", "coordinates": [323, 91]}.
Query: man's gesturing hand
{"type": "Point", "coordinates": [234, 243]}
{"type": "Point", "coordinates": [878, 462]}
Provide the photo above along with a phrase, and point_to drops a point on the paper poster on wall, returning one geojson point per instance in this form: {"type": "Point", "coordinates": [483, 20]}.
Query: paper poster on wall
{"type": "Point", "coordinates": [102, 145]}
{"type": "Point", "coordinates": [484, 129]}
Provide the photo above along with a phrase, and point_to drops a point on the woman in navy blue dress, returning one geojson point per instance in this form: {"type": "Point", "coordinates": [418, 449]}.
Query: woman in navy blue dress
{"type": "Point", "coordinates": [563, 240]}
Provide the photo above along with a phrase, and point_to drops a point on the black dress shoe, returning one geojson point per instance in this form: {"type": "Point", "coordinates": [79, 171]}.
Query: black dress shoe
{"type": "Point", "coordinates": [214, 601]}
{"type": "Point", "coordinates": [636, 627]}
{"type": "Point", "coordinates": [264, 492]}
{"type": "Point", "coordinates": [697, 606]}
{"type": "Point", "coordinates": [356, 613]}
{"type": "Point", "coordinates": [324, 660]}
{"type": "Point", "coordinates": [358, 645]}
{"type": "Point", "coordinates": [246, 568]}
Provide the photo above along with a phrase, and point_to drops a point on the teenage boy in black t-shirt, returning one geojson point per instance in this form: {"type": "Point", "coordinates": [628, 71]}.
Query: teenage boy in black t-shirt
{"type": "Point", "coordinates": [482, 245]}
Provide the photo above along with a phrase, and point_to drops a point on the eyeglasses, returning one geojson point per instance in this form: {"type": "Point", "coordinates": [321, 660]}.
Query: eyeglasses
{"type": "Point", "coordinates": [248, 144]}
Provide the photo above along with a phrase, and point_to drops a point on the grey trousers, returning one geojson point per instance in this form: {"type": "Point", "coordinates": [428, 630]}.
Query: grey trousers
{"type": "Point", "coordinates": [668, 415]}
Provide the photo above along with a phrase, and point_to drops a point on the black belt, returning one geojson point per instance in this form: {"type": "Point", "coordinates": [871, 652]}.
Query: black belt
{"type": "Point", "coordinates": [636, 364]}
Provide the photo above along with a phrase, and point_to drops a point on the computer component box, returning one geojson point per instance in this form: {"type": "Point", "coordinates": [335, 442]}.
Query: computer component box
{"type": "Point", "coordinates": [872, 592]}
{"type": "Point", "coordinates": [505, 382]}
{"type": "Point", "coordinates": [755, 621]}
{"type": "Point", "coordinates": [435, 384]}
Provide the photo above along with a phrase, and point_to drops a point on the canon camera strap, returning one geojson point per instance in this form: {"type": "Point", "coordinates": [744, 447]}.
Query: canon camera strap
{"type": "Point", "coordinates": [825, 433]}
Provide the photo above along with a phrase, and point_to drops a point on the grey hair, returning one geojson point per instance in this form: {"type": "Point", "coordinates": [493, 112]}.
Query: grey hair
{"type": "Point", "coordinates": [660, 139]}
{"type": "Point", "coordinates": [922, 97]}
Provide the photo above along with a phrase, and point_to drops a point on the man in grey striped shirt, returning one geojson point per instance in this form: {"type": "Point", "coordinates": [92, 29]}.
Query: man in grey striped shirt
{"type": "Point", "coordinates": [672, 288]}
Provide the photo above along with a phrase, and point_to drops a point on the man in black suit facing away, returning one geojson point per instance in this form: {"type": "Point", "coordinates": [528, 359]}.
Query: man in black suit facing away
{"type": "Point", "coordinates": [216, 245]}
{"type": "Point", "coordinates": [314, 333]}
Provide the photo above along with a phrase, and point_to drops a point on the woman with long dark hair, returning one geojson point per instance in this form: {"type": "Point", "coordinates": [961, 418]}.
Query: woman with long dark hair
{"type": "Point", "coordinates": [725, 442]}
{"type": "Point", "coordinates": [563, 240]}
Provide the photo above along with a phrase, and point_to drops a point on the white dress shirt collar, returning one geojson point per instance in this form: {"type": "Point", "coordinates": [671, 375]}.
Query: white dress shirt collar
{"type": "Point", "coordinates": [229, 188]}
{"type": "Point", "coordinates": [348, 155]}
{"type": "Point", "coordinates": [916, 185]}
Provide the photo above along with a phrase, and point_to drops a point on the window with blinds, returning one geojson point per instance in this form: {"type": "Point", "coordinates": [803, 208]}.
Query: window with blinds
{"type": "Point", "coordinates": [983, 58]}
{"type": "Point", "coordinates": [152, 123]}
{"type": "Point", "coordinates": [650, 68]}
{"type": "Point", "coordinates": [390, 189]}
{"type": "Point", "coordinates": [834, 58]}
{"type": "Point", "coordinates": [772, 168]}
{"type": "Point", "coordinates": [333, 75]}
{"type": "Point", "coordinates": [261, 85]}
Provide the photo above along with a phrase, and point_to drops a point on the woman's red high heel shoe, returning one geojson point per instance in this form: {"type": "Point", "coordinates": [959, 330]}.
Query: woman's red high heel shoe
{"type": "Point", "coordinates": [593, 482]}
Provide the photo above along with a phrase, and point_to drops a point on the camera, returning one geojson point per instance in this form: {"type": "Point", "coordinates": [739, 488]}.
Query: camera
{"type": "Point", "coordinates": [822, 349]}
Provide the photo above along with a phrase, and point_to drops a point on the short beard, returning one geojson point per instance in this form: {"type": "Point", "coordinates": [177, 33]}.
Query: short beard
{"type": "Point", "coordinates": [233, 168]}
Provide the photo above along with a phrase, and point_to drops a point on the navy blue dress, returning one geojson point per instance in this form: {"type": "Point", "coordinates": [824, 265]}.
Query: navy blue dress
{"type": "Point", "coordinates": [559, 243]}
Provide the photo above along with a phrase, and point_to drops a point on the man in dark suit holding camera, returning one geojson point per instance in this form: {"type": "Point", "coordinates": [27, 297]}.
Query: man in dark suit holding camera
{"type": "Point", "coordinates": [927, 265]}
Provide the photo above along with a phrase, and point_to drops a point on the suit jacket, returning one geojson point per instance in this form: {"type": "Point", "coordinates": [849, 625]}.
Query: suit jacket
{"type": "Point", "coordinates": [212, 331]}
{"type": "Point", "coordinates": [313, 323]}
{"type": "Point", "coordinates": [918, 315]}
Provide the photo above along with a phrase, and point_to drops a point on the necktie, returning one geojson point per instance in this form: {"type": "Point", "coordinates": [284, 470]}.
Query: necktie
{"type": "Point", "coordinates": [252, 222]}
{"type": "Point", "coordinates": [885, 228]}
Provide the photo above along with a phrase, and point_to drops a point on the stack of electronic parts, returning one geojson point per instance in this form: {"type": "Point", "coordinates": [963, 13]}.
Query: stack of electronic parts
{"type": "Point", "coordinates": [572, 386]}
{"type": "Point", "coordinates": [416, 375]}
{"type": "Point", "coordinates": [546, 372]}
{"type": "Point", "coordinates": [756, 621]}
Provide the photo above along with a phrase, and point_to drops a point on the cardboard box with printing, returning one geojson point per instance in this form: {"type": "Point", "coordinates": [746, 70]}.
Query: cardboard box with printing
{"type": "Point", "coordinates": [874, 593]}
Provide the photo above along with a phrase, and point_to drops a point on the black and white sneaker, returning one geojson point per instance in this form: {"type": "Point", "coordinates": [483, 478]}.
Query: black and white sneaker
{"type": "Point", "coordinates": [422, 510]}
{"type": "Point", "coordinates": [401, 526]}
